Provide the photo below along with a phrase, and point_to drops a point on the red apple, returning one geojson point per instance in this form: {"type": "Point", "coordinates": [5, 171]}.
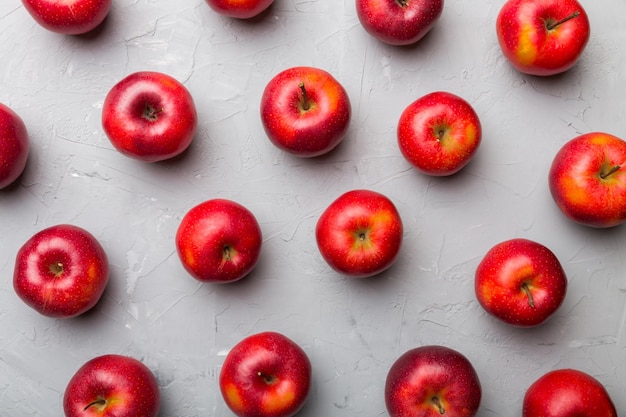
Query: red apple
{"type": "Point", "coordinates": [521, 282]}
{"type": "Point", "coordinates": [542, 37]}
{"type": "Point", "coordinates": [431, 381]}
{"type": "Point", "coordinates": [149, 116]}
{"type": "Point", "coordinates": [587, 179]}
{"type": "Point", "coordinates": [241, 9]}
{"type": "Point", "coordinates": [70, 17]}
{"type": "Point", "coordinates": [112, 386]}
{"type": "Point", "coordinates": [61, 271]}
{"type": "Point", "coordinates": [360, 233]}
{"type": "Point", "coordinates": [219, 241]}
{"type": "Point", "coordinates": [398, 22]}
{"type": "Point", "coordinates": [265, 375]}
{"type": "Point", "coordinates": [567, 393]}
{"type": "Point", "coordinates": [305, 111]}
{"type": "Point", "coordinates": [439, 133]}
{"type": "Point", "coordinates": [14, 146]}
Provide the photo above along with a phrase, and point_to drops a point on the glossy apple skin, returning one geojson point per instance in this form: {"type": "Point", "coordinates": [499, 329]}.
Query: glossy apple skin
{"type": "Point", "coordinates": [301, 130]}
{"type": "Point", "coordinates": [432, 381]}
{"type": "Point", "coordinates": [112, 386]}
{"type": "Point", "coordinates": [360, 233]}
{"type": "Point", "coordinates": [265, 375]}
{"type": "Point", "coordinates": [582, 184]}
{"type": "Point", "coordinates": [567, 393]}
{"type": "Point", "coordinates": [69, 17]}
{"type": "Point", "coordinates": [240, 9]}
{"type": "Point", "coordinates": [61, 271]}
{"type": "Point", "coordinates": [149, 116]}
{"type": "Point", "coordinates": [398, 22]}
{"type": "Point", "coordinates": [531, 46]}
{"type": "Point", "coordinates": [439, 133]}
{"type": "Point", "coordinates": [514, 272]}
{"type": "Point", "coordinates": [14, 146]}
{"type": "Point", "coordinates": [219, 241]}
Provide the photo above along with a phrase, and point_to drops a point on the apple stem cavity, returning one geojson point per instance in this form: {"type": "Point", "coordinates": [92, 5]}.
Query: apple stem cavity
{"type": "Point", "coordinates": [305, 102]}
{"type": "Point", "coordinates": [99, 403]}
{"type": "Point", "coordinates": [227, 253]}
{"type": "Point", "coordinates": [56, 269]}
{"type": "Point", "coordinates": [437, 403]}
{"type": "Point", "coordinates": [551, 25]}
{"type": "Point", "coordinates": [402, 3]}
{"type": "Point", "coordinates": [613, 170]}
{"type": "Point", "coordinates": [150, 113]}
{"type": "Point", "coordinates": [267, 378]}
{"type": "Point", "coordinates": [526, 289]}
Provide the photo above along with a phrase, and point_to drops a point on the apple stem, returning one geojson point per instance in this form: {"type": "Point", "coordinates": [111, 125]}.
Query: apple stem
{"type": "Point", "coordinates": [613, 170]}
{"type": "Point", "coordinates": [437, 402]}
{"type": "Point", "coordinates": [56, 268]}
{"type": "Point", "coordinates": [269, 379]}
{"type": "Point", "coordinates": [554, 25]}
{"type": "Point", "coordinates": [99, 402]}
{"type": "Point", "coordinates": [402, 3]}
{"type": "Point", "coordinates": [226, 253]}
{"type": "Point", "coordinates": [306, 103]}
{"type": "Point", "coordinates": [150, 113]}
{"type": "Point", "coordinates": [531, 301]}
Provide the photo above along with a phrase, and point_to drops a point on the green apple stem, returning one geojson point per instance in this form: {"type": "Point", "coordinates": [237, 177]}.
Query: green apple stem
{"type": "Point", "coordinates": [437, 403]}
{"type": "Point", "coordinates": [100, 402]}
{"type": "Point", "coordinates": [150, 113]}
{"type": "Point", "coordinates": [553, 25]}
{"type": "Point", "coordinates": [531, 301]}
{"type": "Point", "coordinates": [613, 170]}
{"type": "Point", "coordinates": [306, 103]}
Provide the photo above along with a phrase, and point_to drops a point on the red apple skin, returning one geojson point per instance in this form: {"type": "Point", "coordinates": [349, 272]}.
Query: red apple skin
{"type": "Point", "coordinates": [521, 282]}
{"type": "Point", "coordinates": [219, 241]}
{"type": "Point", "coordinates": [567, 393]}
{"type": "Point", "coordinates": [14, 146]}
{"type": "Point", "coordinates": [439, 133]}
{"type": "Point", "coordinates": [149, 116]}
{"type": "Point", "coordinates": [69, 17]}
{"type": "Point", "coordinates": [398, 22]}
{"type": "Point", "coordinates": [240, 9]}
{"type": "Point", "coordinates": [432, 381]}
{"type": "Point", "coordinates": [531, 42]}
{"type": "Point", "coordinates": [305, 111]}
{"type": "Point", "coordinates": [112, 386]}
{"type": "Point", "coordinates": [265, 375]}
{"type": "Point", "coordinates": [61, 271]}
{"type": "Point", "coordinates": [360, 233]}
{"type": "Point", "coordinates": [587, 180]}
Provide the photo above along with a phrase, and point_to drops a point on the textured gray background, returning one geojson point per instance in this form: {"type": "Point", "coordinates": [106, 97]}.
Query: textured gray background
{"type": "Point", "coordinates": [352, 329]}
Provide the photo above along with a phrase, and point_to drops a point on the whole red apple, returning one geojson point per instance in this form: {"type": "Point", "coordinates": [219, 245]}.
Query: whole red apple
{"type": "Point", "coordinates": [360, 233]}
{"type": "Point", "coordinates": [14, 146]}
{"type": "Point", "coordinates": [70, 17]}
{"type": "Point", "coordinates": [265, 375]}
{"type": "Point", "coordinates": [567, 393]}
{"type": "Point", "coordinates": [521, 282]}
{"type": "Point", "coordinates": [61, 271]}
{"type": "Point", "coordinates": [219, 241]}
{"type": "Point", "coordinates": [542, 37]}
{"type": "Point", "coordinates": [430, 381]}
{"type": "Point", "coordinates": [305, 111]}
{"type": "Point", "coordinates": [587, 179]}
{"type": "Point", "coordinates": [149, 116]}
{"type": "Point", "coordinates": [240, 9]}
{"type": "Point", "coordinates": [439, 133]}
{"type": "Point", "coordinates": [398, 22]}
{"type": "Point", "coordinates": [112, 386]}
